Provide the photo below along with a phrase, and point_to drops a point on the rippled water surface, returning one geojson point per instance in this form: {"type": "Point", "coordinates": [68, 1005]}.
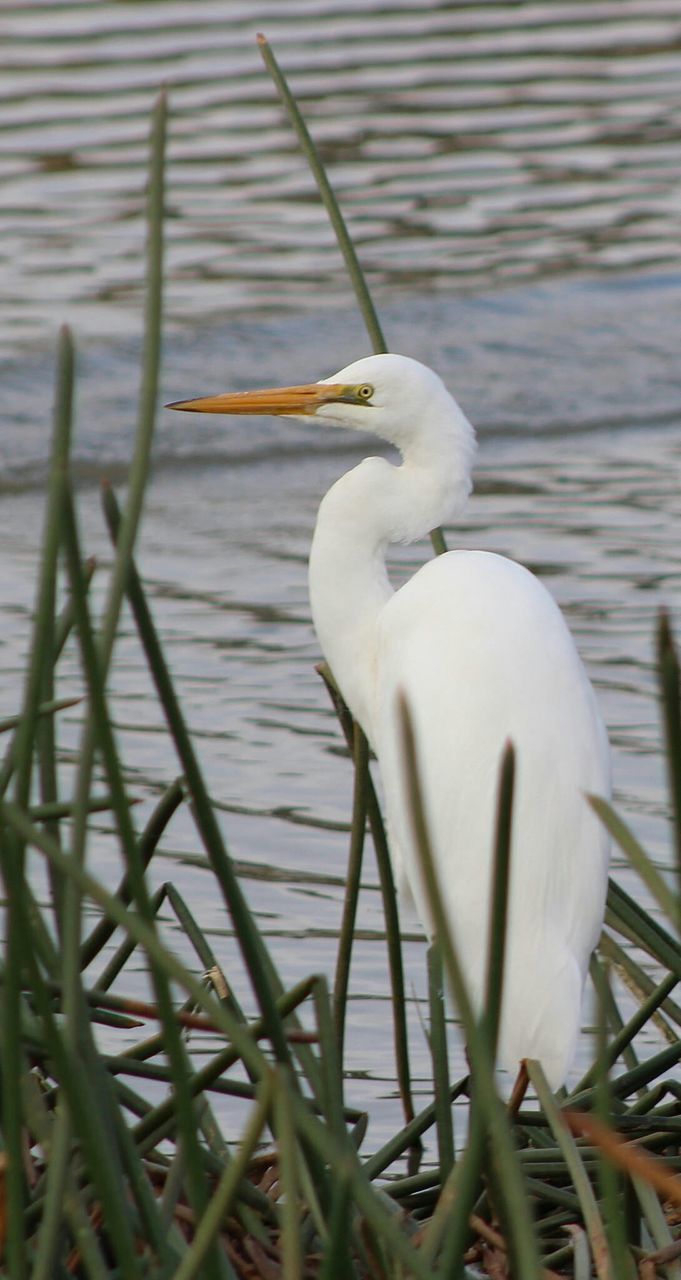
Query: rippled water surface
{"type": "Point", "coordinates": [511, 174]}
{"type": "Point", "coordinates": [468, 143]}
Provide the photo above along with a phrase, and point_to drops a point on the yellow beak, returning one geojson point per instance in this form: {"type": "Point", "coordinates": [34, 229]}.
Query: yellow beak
{"type": "Point", "coordinates": [305, 399]}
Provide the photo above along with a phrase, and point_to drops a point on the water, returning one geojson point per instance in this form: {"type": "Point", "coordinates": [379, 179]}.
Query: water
{"type": "Point", "coordinates": [510, 173]}
{"type": "Point", "coordinates": [468, 144]}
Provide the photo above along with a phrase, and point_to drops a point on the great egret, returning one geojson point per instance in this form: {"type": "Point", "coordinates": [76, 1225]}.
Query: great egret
{"type": "Point", "coordinates": [483, 655]}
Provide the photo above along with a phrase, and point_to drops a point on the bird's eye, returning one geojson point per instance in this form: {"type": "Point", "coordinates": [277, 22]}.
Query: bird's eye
{"type": "Point", "coordinates": [365, 392]}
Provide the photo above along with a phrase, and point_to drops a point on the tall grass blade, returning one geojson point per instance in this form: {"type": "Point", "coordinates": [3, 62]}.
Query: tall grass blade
{"type": "Point", "coordinates": [437, 540]}
{"type": "Point", "coordinates": [501, 871]}
{"type": "Point", "coordinates": [449, 1227]}
{"type": "Point", "coordinates": [331, 1096]}
{"type": "Point", "coordinates": [227, 1188]}
{"type": "Point", "coordinates": [649, 1070]}
{"type": "Point", "coordinates": [328, 197]}
{"type": "Point", "coordinates": [64, 626]}
{"type": "Point", "coordinates": [581, 1257]}
{"type": "Point", "coordinates": [66, 619]}
{"type": "Point", "coordinates": [204, 951]}
{"type": "Point", "coordinates": [407, 1137]}
{"type": "Point", "coordinates": [333, 209]}
{"type": "Point", "coordinates": [578, 1175]}
{"type": "Point", "coordinates": [146, 417]}
{"type": "Point", "coordinates": [354, 871]}
{"type": "Point", "coordinates": [657, 1224]}
{"type": "Point", "coordinates": [614, 1019]}
{"type": "Point", "coordinates": [639, 982]}
{"type": "Point", "coordinates": [630, 1029]}
{"type": "Point", "coordinates": [138, 469]}
{"type": "Point", "coordinates": [625, 915]}
{"type": "Point", "coordinates": [507, 1172]}
{"type": "Point", "coordinates": [148, 841]}
{"type": "Point", "coordinates": [48, 708]}
{"type": "Point", "coordinates": [343, 1159]}
{"type": "Point", "coordinates": [389, 900]}
{"type": "Point", "coordinates": [41, 649]}
{"type": "Point", "coordinates": [636, 854]}
{"type": "Point", "coordinates": [53, 1211]}
{"type": "Point", "coordinates": [287, 1153]}
{"type": "Point", "coordinates": [45, 736]}
{"type": "Point", "coordinates": [337, 1262]}
{"type": "Point", "coordinates": [89, 1113]}
{"type": "Point", "coordinates": [670, 692]}
{"type": "Point", "coordinates": [609, 1180]}
{"type": "Point", "coordinates": [126, 948]}
{"type": "Point", "coordinates": [153, 1230]}
{"type": "Point", "coordinates": [437, 1036]}
{"type": "Point", "coordinates": [463, 1185]}
{"type": "Point", "coordinates": [11, 851]}
{"type": "Point", "coordinates": [11, 1055]}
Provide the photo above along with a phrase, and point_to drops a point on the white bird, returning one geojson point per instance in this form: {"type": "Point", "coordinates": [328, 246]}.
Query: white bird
{"type": "Point", "coordinates": [483, 655]}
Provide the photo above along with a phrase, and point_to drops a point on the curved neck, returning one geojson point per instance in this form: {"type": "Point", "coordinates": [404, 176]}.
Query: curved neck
{"type": "Point", "coordinates": [371, 506]}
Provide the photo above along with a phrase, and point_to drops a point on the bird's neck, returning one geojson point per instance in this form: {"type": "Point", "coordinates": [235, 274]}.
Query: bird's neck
{"type": "Point", "coordinates": [370, 507]}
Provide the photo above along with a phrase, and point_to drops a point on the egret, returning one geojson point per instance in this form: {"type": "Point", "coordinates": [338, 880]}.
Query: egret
{"type": "Point", "coordinates": [482, 654]}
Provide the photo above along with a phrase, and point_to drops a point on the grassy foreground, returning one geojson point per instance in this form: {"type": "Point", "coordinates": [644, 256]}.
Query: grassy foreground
{"type": "Point", "coordinates": [96, 1180]}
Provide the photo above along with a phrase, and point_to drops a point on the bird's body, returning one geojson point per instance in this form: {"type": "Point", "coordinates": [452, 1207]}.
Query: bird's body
{"type": "Point", "coordinates": [501, 666]}
{"type": "Point", "coordinates": [483, 655]}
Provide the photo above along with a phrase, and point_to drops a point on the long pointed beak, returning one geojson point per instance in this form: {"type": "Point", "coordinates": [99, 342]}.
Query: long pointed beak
{"type": "Point", "coordinates": [305, 400]}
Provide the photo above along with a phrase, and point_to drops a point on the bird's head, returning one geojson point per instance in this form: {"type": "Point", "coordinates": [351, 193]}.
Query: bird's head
{"type": "Point", "coordinates": [389, 395]}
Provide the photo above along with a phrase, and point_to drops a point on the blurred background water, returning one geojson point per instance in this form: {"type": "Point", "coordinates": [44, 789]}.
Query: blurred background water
{"type": "Point", "coordinates": [511, 175]}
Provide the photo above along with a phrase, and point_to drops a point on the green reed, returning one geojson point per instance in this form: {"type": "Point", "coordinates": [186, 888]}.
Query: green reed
{"type": "Point", "coordinates": [101, 1181]}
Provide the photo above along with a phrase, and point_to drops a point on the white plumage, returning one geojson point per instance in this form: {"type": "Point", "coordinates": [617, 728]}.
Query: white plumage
{"type": "Point", "coordinates": [483, 655]}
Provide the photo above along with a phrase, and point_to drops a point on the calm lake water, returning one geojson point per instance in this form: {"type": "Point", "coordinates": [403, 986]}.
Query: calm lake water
{"type": "Point", "coordinates": [511, 175]}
